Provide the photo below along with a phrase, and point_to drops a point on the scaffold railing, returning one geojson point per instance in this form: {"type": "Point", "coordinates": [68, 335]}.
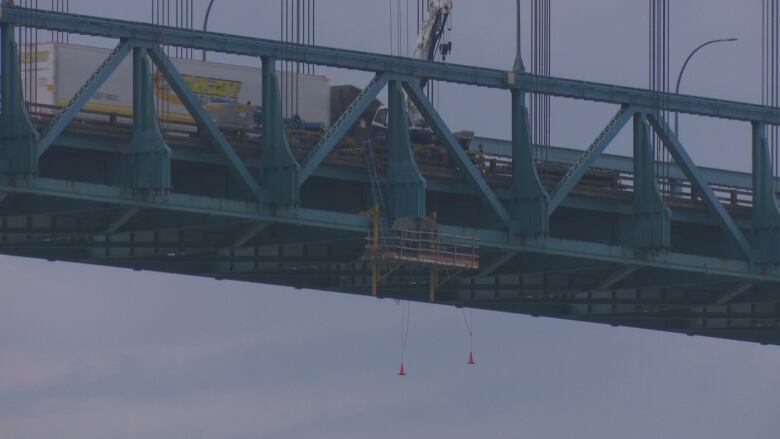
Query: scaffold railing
{"type": "Point", "coordinates": [420, 242]}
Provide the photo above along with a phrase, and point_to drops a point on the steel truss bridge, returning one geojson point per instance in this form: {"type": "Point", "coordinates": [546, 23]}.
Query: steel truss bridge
{"type": "Point", "coordinates": [597, 238]}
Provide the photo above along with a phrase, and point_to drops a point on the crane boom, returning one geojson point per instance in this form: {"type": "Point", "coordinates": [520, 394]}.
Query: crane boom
{"type": "Point", "coordinates": [428, 41]}
{"type": "Point", "coordinates": [432, 29]}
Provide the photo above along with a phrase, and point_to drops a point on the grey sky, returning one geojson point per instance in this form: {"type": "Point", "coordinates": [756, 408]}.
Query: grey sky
{"type": "Point", "coordinates": [93, 352]}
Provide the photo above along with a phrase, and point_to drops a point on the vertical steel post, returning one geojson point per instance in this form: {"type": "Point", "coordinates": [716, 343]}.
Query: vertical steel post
{"type": "Point", "coordinates": [405, 184]}
{"type": "Point", "coordinates": [151, 156]}
{"type": "Point", "coordinates": [650, 228]}
{"type": "Point", "coordinates": [279, 179]}
{"type": "Point", "coordinates": [765, 213]}
{"type": "Point", "coordinates": [433, 282]}
{"type": "Point", "coordinates": [529, 211]}
{"type": "Point", "coordinates": [375, 244]}
{"type": "Point", "coordinates": [18, 137]}
{"type": "Point", "coordinates": [375, 274]}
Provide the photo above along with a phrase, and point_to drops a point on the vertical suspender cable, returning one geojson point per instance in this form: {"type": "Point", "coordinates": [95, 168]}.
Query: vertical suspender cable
{"type": "Point", "coordinates": [20, 34]}
{"type": "Point", "coordinates": [34, 62]}
{"type": "Point", "coordinates": [407, 28]}
{"type": "Point", "coordinates": [418, 17]}
{"type": "Point", "coordinates": [775, 98]}
{"type": "Point", "coordinates": [770, 72]}
{"type": "Point", "coordinates": [168, 50]}
{"type": "Point", "coordinates": [399, 29]}
{"type": "Point", "coordinates": [285, 65]}
{"type": "Point", "coordinates": [290, 64]}
{"type": "Point", "coordinates": [659, 48]}
{"type": "Point", "coordinates": [651, 59]}
{"type": "Point", "coordinates": [297, 64]}
{"type": "Point", "coordinates": [281, 38]}
{"type": "Point", "coordinates": [398, 36]}
{"type": "Point", "coordinates": [390, 21]}
{"type": "Point", "coordinates": [667, 85]}
{"type": "Point", "coordinates": [541, 35]}
{"type": "Point", "coordinates": [767, 75]}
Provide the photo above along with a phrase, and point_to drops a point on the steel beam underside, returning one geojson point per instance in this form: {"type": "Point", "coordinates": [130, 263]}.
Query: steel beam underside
{"type": "Point", "coordinates": [557, 281]}
{"type": "Point", "coordinates": [339, 221]}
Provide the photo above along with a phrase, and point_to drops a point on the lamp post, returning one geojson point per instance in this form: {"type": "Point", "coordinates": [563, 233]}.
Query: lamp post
{"type": "Point", "coordinates": [682, 70]}
{"type": "Point", "coordinates": [206, 23]}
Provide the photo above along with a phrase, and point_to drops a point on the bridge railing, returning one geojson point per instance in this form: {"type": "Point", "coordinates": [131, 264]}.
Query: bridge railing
{"type": "Point", "coordinates": [496, 168]}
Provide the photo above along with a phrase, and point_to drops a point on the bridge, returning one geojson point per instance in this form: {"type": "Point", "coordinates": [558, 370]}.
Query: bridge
{"type": "Point", "coordinates": [479, 223]}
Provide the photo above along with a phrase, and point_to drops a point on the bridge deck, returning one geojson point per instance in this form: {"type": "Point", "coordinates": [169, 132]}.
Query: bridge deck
{"type": "Point", "coordinates": [219, 244]}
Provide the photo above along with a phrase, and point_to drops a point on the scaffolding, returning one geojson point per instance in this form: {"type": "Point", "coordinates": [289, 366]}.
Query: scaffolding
{"type": "Point", "coordinates": [419, 241]}
{"type": "Point", "coordinates": [424, 245]}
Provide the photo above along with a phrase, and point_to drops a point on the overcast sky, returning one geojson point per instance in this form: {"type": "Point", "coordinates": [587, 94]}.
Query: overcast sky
{"type": "Point", "coordinates": [88, 352]}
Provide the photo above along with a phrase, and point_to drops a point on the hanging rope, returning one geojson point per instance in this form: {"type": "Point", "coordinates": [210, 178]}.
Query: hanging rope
{"type": "Point", "coordinates": [406, 317]}
{"type": "Point", "coordinates": [467, 321]}
{"type": "Point", "coordinates": [405, 323]}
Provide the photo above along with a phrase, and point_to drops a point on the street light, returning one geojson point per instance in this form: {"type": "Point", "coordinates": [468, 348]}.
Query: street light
{"type": "Point", "coordinates": [682, 70]}
{"type": "Point", "coordinates": [206, 23]}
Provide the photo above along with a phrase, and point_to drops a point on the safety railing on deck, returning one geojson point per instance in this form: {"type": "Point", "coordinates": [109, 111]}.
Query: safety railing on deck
{"type": "Point", "coordinates": [424, 245]}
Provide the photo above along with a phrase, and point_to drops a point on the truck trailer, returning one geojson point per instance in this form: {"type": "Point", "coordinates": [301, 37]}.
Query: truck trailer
{"type": "Point", "coordinates": [229, 92]}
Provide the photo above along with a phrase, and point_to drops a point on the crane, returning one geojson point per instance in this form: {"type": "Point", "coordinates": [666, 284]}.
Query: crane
{"type": "Point", "coordinates": [432, 30]}
{"type": "Point", "coordinates": [429, 41]}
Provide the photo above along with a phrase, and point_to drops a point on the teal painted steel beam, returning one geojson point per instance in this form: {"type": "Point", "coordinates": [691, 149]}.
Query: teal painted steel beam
{"type": "Point", "coordinates": [126, 216]}
{"type": "Point", "coordinates": [701, 186]}
{"type": "Point", "coordinates": [589, 156]}
{"type": "Point", "coordinates": [187, 203]}
{"type": "Point", "coordinates": [765, 213]}
{"type": "Point", "coordinates": [151, 157]}
{"type": "Point", "coordinates": [740, 181]}
{"type": "Point", "coordinates": [203, 119]}
{"type": "Point", "coordinates": [453, 146]}
{"type": "Point", "coordinates": [18, 137]}
{"type": "Point", "coordinates": [349, 59]}
{"type": "Point", "coordinates": [342, 125]}
{"type": "Point", "coordinates": [405, 185]}
{"type": "Point", "coordinates": [247, 235]}
{"type": "Point", "coordinates": [732, 293]}
{"type": "Point", "coordinates": [732, 268]}
{"type": "Point", "coordinates": [279, 174]}
{"type": "Point", "coordinates": [487, 238]}
{"type": "Point", "coordinates": [530, 202]}
{"type": "Point", "coordinates": [85, 93]}
{"type": "Point", "coordinates": [651, 219]}
{"type": "Point", "coordinates": [620, 163]}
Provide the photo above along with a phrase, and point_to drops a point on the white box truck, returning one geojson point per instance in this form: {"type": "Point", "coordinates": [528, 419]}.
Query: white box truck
{"type": "Point", "coordinates": [59, 70]}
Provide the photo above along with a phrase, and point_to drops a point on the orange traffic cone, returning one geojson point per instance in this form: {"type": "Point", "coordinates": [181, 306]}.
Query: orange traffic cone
{"type": "Point", "coordinates": [471, 359]}
{"type": "Point", "coordinates": [402, 372]}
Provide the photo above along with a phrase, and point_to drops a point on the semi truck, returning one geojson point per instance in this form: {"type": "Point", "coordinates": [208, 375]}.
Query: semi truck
{"type": "Point", "coordinates": [231, 93]}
